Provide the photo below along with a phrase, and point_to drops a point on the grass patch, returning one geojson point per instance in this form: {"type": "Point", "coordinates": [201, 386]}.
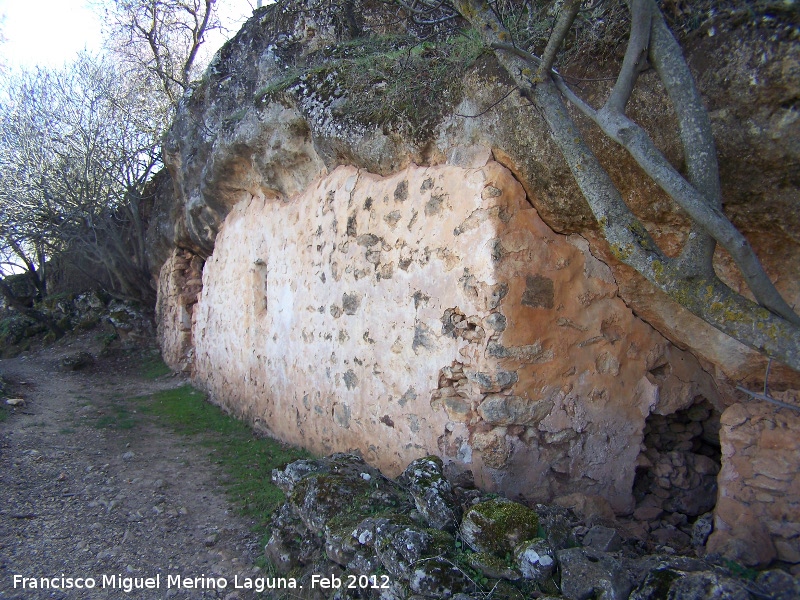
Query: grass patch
{"type": "Point", "coordinates": [246, 460]}
{"type": "Point", "coordinates": [3, 413]}
{"type": "Point", "coordinates": [117, 416]}
{"type": "Point", "coordinates": [153, 367]}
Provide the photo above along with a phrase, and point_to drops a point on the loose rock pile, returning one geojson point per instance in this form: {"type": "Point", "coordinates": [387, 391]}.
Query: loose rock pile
{"type": "Point", "coordinates": [127, 321]}
{"type": "Point", "coordinates": [676, 484]}
{"type": "Point", "coordinates": [420, 536]}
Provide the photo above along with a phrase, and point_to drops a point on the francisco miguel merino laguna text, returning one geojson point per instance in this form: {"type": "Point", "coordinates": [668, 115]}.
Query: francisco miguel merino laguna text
{"type": "Point", "coordinates": [128, 584]}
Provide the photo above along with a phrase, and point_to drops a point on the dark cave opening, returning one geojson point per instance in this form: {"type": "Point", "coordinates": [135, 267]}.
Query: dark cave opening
{"type": "Point", "coordinates": [676, 473]}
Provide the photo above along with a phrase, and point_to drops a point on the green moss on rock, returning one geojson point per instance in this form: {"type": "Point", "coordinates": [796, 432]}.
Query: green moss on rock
{"type": "Point", "coordinates": [491, 565]}
{"type": "Point", "coordinates": [498, 526]}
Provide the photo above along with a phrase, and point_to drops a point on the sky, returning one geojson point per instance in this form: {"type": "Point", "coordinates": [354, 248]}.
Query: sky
{"type": "Point", "coordinates": [49, 33]}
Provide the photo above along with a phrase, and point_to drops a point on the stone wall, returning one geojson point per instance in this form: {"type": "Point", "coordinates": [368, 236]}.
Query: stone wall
{"type": "Point", "coordinates": [678, 468]}
{"type": "Point", "coordinates": [758, 511]}
{"type": "Point", "coordinates": [179, 284]}
{"type": "Point", "coordinates": [431, 312]}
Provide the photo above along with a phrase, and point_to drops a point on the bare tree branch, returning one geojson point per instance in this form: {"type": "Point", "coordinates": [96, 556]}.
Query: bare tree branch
{"type": "Point", "coordinates": [163, 38]}
{"type": "Point", "coordinates": [77, 147]}
{"type": "Point", "coordinates": [569, 10]}
{"type": "Point", "coordinates": [774, 333]}
{"type": "Point", "coordinates": [700, 155]}
{"type": "Point", "coordinates": [635, 56]}
{"type": "Point", "coordinates": [696, 130]}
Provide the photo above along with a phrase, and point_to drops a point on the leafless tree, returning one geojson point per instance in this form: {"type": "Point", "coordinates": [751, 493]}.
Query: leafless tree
{"type": "Point", "coordinates": [163, 38]}
{"type": "Point", "coordinates": [23, 196]}
{"type": "Point", "coordinates": [23, 236]}
{"type": "Point", "coordinates": [78, 147]}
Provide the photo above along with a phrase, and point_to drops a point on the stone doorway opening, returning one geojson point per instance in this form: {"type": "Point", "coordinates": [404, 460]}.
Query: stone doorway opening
{"type": "Point", "coordinates": [675, 487]}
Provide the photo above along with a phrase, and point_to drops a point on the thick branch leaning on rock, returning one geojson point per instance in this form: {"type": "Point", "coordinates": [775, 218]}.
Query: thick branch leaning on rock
{"type": "Point", "coordinates": [772, 328]}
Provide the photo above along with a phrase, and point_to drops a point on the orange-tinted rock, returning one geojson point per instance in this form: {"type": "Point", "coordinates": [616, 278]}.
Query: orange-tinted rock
{"type": "Point", "coordinates": [179, 284]}
{"type": "Point", "coordinates": [740, 535]}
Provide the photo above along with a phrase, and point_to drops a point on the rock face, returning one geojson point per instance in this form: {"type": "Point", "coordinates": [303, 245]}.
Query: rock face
{"type": "Point", "coordinates": [179, 284]}
{"type": "Point", "coordinates": [267, 134]}
{"type": "Point", "coordinates": [433, 282]}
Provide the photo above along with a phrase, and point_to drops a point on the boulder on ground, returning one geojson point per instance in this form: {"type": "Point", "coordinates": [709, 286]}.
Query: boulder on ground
{"type": "Point", "coordinates": [498, 526]}
{"type": "Point", "coordinates": [432, 493]}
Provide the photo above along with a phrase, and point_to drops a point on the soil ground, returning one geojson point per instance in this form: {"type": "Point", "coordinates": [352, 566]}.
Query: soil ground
{"type": "Point", "coordinates": [89, 489]}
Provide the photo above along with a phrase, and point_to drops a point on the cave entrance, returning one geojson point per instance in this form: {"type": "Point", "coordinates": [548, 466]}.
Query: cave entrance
{"type": "Point", "coordinates": [676, 475]}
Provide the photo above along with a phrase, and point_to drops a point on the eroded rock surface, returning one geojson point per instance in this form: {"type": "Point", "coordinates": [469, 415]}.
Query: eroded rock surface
{"type": "Point", "coordinates": [754, 521]}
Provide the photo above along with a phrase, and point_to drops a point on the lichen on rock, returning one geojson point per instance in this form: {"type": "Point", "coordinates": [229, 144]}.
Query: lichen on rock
{"type": "Point", "coordinates": [390, 541]}
{"type": "Point", "coordinates": [432, 493]}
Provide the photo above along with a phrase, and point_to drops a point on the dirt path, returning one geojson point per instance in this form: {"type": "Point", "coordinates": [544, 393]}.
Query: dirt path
{"type": "Point", "coordinates": [87, 500]}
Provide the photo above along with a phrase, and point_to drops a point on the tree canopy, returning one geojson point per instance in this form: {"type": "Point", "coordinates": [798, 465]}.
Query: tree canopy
{"type": "Point", "coordinates": [78, 145]}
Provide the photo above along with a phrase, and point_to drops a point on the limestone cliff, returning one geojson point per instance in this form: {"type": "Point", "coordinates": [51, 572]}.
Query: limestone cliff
{"type": "Point", "coordinates": [359, 268]}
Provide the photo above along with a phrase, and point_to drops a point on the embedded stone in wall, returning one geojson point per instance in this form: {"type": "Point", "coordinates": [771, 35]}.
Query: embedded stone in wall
{"type": "Point", "coordinates": [757, 517]}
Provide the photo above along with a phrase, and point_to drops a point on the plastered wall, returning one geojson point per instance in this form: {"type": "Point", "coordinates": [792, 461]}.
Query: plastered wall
{"type": "Point", "coordinates": [433, 311]}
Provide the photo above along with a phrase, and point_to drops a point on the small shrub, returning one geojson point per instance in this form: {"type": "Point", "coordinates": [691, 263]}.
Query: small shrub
{"type": "Point", "coordinates": [397, 82]}
{"type": "Point", "coordinates": [740, 570]}
{"type": "Point", "coordinates": [14, 328]}
{"type": "Point", "coordinates": [87, 323]}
